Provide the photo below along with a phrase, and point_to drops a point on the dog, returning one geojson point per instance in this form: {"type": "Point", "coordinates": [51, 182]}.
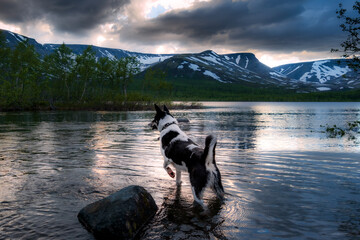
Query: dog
{"type": "Point", "coordinates": [186, 155]}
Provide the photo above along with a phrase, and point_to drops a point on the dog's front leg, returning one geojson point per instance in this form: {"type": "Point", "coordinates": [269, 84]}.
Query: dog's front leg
{"type": "Point", "coordinates": [166, 163]}
{"type": "Point", "coordinates": [178, 177]}
{"type": "Point", "coordinates": [168, 169]}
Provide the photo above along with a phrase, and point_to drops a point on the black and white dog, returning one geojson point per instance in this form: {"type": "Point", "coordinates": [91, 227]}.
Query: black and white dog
{"type": "Point", "coordinates": [185, 155]}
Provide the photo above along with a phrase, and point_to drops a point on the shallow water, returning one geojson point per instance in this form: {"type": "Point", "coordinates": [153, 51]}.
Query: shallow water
{"type": "Point", "coordinates": [284, 178]}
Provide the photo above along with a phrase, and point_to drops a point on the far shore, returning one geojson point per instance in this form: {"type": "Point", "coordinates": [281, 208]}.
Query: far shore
{"type": "Point", "coordinates": [109, 106]}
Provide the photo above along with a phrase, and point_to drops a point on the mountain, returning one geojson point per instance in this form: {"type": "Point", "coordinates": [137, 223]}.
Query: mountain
{"type": "Point", "coordinates": [239, 68]}
{"type": "Point", "coordinates": [227, 68]}
{"type": "Point", "coordinates": [324, 75]}
{"type": "Point", "coordinates": [12, 39]}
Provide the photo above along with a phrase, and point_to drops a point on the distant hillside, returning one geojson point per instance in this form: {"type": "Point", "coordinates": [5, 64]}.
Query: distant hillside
{"type": "Point", "coordinates": [241, 68]}
{"type": "Point", "coordinates": [229, 68]}
{"type": "Point", "coordinates": [324, 75]}
{"type": "Point", "coordinates": [12, 39]}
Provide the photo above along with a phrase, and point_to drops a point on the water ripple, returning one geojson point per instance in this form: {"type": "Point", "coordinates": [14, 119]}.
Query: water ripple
{"type": "Point", "coordinates": [282, 178]}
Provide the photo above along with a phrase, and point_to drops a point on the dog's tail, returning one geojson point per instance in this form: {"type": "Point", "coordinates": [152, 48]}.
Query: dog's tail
{"type": "Point", "coordinates": [209, 151]}
{"type": "Point", "coordinates": [209, 155]}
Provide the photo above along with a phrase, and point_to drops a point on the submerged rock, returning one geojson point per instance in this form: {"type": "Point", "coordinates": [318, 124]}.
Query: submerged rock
{"type": "Point", "coordinates": [120, 215]}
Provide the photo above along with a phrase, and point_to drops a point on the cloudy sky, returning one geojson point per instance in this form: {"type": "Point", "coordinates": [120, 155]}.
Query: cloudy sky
{"type": "Point", "coordinates": [277, 31]}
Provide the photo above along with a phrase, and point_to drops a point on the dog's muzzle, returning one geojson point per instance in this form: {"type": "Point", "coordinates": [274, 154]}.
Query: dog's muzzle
{"type": "Point", "coordinates": [153, 125]}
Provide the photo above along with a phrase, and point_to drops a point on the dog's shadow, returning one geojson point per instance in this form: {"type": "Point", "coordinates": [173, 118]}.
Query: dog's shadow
{"type": "Point", "coordinates": [180, 217]}
{"type": "Point", "coordinates": [178, 202]}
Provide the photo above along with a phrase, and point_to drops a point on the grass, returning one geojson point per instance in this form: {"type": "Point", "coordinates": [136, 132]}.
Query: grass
{"type": "Point", "coordinates": [210, 90]}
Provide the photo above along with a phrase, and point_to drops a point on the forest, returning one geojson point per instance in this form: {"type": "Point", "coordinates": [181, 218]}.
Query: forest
{"type": "Point", "coordinates": [62, 79]}
{"type": "Point", "coordinates": [65, 81]}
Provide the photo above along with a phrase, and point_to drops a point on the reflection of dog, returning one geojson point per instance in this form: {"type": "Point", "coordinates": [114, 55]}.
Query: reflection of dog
{"type": "Point", "coordinates": [185, 155]}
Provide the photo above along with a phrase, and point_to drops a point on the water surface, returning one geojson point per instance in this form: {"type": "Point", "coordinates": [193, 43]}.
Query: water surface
{"type": "Point", "coordinates": [284, 178]}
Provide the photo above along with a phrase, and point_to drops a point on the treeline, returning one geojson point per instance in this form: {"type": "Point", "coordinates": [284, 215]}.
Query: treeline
{"type": "Point", "coordinates": [28, 81]}
{"type": "Point", "coordinates": [64, 80]}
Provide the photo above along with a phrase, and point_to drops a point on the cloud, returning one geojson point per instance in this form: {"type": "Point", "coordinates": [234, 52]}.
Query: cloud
{"type": "Point", "coordinates": [277, 25]}
{"type": "Point", "coordinates": [266, 27]}
{"type": "Point", "coordinates": [64, 15]}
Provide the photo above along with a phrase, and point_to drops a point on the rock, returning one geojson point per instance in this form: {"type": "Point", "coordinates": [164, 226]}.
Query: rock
{"type": "Point", "coordinates": [183, 119]}
{"type": "Point", "coordinates": [120, 215]}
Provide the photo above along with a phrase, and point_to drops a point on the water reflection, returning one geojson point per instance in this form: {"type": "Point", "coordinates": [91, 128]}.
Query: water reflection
{"type": "Point", "coordinates": [179, 218]}
{"type": "Point", "coordinates": [283, 177]}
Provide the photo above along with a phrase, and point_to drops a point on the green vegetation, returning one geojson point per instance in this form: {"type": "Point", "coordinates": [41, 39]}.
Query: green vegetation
{"type": "Point", "coordinates": [350, 130]}
{"type": "Point", "coordinates": [183, 89]}
{"type": "Point", "coordinates": [63, 80]}
{"type": "Point", "coordinates": [351, 26]}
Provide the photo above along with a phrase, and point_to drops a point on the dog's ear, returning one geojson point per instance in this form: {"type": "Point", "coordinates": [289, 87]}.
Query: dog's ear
{"type": "Point", "coordinates": [158, 110]}
{"type": "Point", "coordinates": [166, 109]}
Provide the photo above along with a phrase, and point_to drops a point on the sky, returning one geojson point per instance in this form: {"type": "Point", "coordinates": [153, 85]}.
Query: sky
{"type": "Point", "coordinates": [276, 31]}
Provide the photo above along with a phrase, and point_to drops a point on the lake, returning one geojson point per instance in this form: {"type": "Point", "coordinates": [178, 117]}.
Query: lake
{"type": "Point", "coordinates": [284, 177]}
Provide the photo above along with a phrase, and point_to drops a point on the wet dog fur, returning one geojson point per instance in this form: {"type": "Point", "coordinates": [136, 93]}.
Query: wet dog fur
{"type": "Point", "coordinates": [186, 155]}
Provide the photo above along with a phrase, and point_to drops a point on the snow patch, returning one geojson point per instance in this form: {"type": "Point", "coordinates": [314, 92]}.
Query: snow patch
{"type": "Point", "coordinates": [294, 69]}
{"type": "Point", "coordinates": [21, 37]}
{"type": "Point", "coordinates": [276, 74]}
{"type": "Point", "coordinates": [213, 75]}
{"type": "Point", "coordinates": [323, 89]}
{"type": "Point", "coordinates": [148, 60]}
{"type": "Point", "coordinates": [227, 58]}
{"type": "Point", "coordinates": [180, 67]}
{"type": "Point", "coordinates": [194, 67]}
{"type": "Point", "coordinates": [304, 77]}
{"type": "Point", "coordinates": [107, 54]}
{"type": "Point", "coordinates": [238, 59]}
{"type": "Point", "coordinates": [324, 73]}
{"type": "Point", "coordinates": [15, 36]}
{"type": "Point", "coordinates": [212, 59]}
{"type": "Point", "coordinates": [247, 62]}
{"type": "Point", "coordinates": [198, 60]}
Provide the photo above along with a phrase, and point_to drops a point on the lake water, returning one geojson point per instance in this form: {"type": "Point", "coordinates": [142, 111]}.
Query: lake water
{"type": "Point", "coordinates": [284, 177]}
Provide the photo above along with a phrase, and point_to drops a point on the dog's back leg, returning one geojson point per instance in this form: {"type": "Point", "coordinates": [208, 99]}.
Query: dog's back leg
{"type": "Point", "coordinates": [198, 180]}
{"type": "Point", "coordinates": [197, 196]}
{"type": "Point", "coordinates": [178, 177]}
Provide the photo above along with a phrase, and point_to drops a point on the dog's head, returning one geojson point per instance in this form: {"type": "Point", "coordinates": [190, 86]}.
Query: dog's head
{"type": "Point", "coordinates": [159, 116]}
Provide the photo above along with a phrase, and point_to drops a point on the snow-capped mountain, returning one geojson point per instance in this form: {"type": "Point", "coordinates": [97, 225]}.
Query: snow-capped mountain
{"type": "Point", "coordinates": [225, 68]}
{"type": "Point", "coordinates": [332, 74]}
{"type": "Point", "coordinates": [12, 39]}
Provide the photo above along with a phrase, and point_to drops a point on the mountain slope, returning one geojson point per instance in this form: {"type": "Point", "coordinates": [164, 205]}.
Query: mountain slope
{"type": "Point", "coordinates": [12, 39]}
{"type": "Point", "coordinates": [333, 74]}
{"type": "Point", "coordinates": [228, 68]}
{"type": "Point", "coordinates": [242, 68]}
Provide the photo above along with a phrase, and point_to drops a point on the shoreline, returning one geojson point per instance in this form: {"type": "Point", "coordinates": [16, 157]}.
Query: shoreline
{"type": "Point", "coordinates": [123, 106]}
{"type": "Point", "coordinates": [139, 105]}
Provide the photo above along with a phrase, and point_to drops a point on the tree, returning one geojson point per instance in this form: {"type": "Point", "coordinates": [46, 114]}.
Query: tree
{"type": "Point", "coordinates": [85, 72]}
{"type": "Point", "coordinates": [58, 67]}
{"type": "Point", "coordinates": [4, 68]}
{"type": "Point", "coordinates": [104, 79]}
{"type": "Point", "coordinates": [124, 72]}
{"type": "Point", "coordinates": [25, 82]}
{"type": "Point", "coordinates": [351, 25]}
{"type": "Point", "coordinates": [155, 80]}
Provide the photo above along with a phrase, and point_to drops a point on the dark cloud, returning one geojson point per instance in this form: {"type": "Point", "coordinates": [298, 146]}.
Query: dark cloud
{"type": "Point", "coordinates": [279, 25]}
{"type": "Point", "coordinates": [65, 15]}
{"type": "Point", "coordinates": [15, 11]}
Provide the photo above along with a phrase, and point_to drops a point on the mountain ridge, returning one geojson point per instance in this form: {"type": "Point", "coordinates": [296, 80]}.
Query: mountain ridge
{"type": "Point", "coordinates": [311, 76]}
